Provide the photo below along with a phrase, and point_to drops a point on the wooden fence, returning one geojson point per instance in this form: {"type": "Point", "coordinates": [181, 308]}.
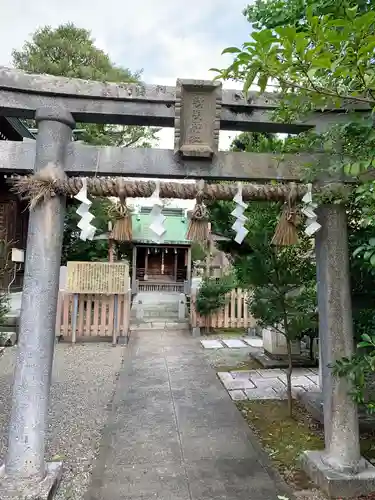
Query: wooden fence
{"type": "Point", "coordinates": [81, 316]}
{"type": "Point", "coordinates": [235, 313]}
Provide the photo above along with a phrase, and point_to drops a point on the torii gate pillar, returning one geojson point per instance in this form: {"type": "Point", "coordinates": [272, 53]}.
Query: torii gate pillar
{"type": "Point", "coordinates": [25, 473]}
{"type": "Point", "coordinates": [339, 469]}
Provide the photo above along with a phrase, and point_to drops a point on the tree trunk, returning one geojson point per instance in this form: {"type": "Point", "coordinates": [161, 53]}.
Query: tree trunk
{"type": "Point", "coordinates": [289, 377]}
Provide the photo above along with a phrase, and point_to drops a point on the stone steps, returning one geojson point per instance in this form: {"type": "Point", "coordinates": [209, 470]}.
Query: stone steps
{"type": "Point", "coordinates": [157, 311]}
{"type": "Point", "coordinates": [160, 325]}
{"type": "Point", "coordinates": [160, 313]}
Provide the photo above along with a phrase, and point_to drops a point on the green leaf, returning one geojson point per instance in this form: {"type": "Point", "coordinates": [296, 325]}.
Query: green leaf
{"type": "Point", "coordinates": [363, 344]}
{"type": "Point", "coordinates": [231, 50]}
{"type": "Point", "coordinates": [324, 62]}
{"type": "Point", "coordinates": [368, 254]}
{"type": "Point", "coordinates": [262, 82]}
{"type": "Point", "coordinates": [358, 251]}
{"type": "Point", "coordinates": [347, 168]}
{"type": "Point", "coordinates": [367, 338]}
{"type": "Point", "coordinates": [216, 70]}
{"type": "Point", "coordinates": [250, 77]}
{"type": "Point", "coordinates": [372, 260]}
{"type": "Point", "coordinates": [367, 49]}
{"type": "Point", "coordinates": [351, 12]}
{"type": "Point", "coordinates": [372, 242]}
{"type": "Point", "coordinates": [355, 168]}
{"type": "Point", "coordinates": [311, 72]}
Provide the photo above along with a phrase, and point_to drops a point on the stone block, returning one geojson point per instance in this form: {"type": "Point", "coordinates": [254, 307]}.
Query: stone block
{"type": "Point", "coordinates": [272, 373]}
{"type": "Point", "coordinates": [274, 343]}
{"type": "Point", "coordinates": [248, 374]}
{"type": "Point", "coordinates": [338, 484]}
{"type": "Point", "coordinates": [197, 118]}
{"type": "Point", "coordinates": [225, 377]}
{"type": "Point", "coordinates": [254, 341]}
{"type": "Point", "coordinates": [314, 371]}
{"type": "Point", "coordinates": [302, 381]}
{"type": "Point", "coordinates": [282, 362]}
{"type": "Point", "coordinates": [182, 306]}
{"type": "Point", "coordinates": [139, 311]}
{"type": "Point", "coordinates": [212, 344]}
{"type": "Point", "coordinates": [297, 392]}
{"type": "Point", "coordinates": [262, 394]}
{"type": "Point", "coordinates": [314, 378]}
{"type": "Point", "coordinates": [196, 331]}
{"type": "Point", "coordinates": [12, 489]}
{"type": "Point", "coordinates": [274, 383]}
{"type": "Point", "coordinates": [234, 343]}
{"type": "Point", "coordinates": [237, 395]}
{"type": "Point", "coordinates": [122, 340]}
{"type": "Point", "coordinates": [240, 383]}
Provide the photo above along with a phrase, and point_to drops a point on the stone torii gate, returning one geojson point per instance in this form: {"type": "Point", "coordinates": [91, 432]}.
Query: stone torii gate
{"type": "Point", "coordinates": [197, 110]}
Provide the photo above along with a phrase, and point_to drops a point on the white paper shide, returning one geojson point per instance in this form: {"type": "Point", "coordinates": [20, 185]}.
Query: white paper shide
{"type": "Point", "coordinates": [238, 213]}
{"type": "Point", "coordinates": [308, 210]}
{"type": "Point", "coordinates": [87, 229]}
{"type": "Point", "coordinates": [157, 218]}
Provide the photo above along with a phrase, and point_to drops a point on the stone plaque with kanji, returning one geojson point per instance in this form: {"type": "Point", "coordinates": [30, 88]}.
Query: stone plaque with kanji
{"type": "Point", "coordinates": [197, 118]}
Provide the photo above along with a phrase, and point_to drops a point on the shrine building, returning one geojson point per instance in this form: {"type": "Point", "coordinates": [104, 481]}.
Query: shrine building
{"type": "Point", "coordinates": [164, 265]}
{"type": "Point", "coordinates": [14, 215]}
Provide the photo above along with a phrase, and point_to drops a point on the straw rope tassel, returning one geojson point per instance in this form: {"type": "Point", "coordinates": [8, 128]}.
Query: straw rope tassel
{"type": "Point", "coordinates": [199, 223]}
{"type": "Point", "coordinates": [286, 232]}
{"type": "Point", "coordinates": [122, 227]}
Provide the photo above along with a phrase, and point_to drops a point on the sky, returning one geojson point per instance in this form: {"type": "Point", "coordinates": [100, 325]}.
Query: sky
{"type": "Point", "coordinates": [167, 39]}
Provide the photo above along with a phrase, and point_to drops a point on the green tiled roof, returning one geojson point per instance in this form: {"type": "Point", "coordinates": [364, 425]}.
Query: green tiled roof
{"type": "Point", "coordinates": [176, 226]}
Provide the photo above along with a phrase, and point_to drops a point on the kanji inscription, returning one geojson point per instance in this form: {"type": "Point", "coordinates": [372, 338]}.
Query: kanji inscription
{"type": "Point", "coordinates": [197, 118]}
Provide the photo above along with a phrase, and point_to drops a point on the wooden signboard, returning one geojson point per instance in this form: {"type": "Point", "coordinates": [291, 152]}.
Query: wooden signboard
{"type": "Point", "coordinates": [97, 277]}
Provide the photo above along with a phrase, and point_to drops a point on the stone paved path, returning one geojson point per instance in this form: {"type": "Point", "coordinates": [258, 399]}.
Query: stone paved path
{"type": "Point", "coordinates": [232, 343]}
{"type": "Point", "coordinates": [173, 433]}
{"type": "Point", "coordinates": [267, 383]}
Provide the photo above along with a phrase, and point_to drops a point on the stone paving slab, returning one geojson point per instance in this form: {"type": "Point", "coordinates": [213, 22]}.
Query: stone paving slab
{"type": "Point", "coordinates": [212, 344]}
{"type": "Point", "coordinates": [174, 434]}
{"type": "Point", "coordinates": [254, 341]}
{"type": "Point", "coordinates": [234, 343]}
{"type": "Point", "coordinates": [267, 384]}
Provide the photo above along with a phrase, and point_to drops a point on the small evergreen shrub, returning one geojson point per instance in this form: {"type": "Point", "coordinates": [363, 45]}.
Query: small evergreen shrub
{"type": "Point", "coordinates": [211, 296]}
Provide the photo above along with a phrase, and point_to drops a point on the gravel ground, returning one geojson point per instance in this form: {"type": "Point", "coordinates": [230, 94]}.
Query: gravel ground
{"type": "Point", "coordinates": [310, 495]}
{"type": "Point", "coordinates": [83, 383]}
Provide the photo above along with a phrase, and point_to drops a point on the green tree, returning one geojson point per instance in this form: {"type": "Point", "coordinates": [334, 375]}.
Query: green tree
{"type": "Point", "coordinates": [320, 55]}
{"type": "Point", "coordinates": [328, 64]}
{"type": "Point", "coordinates": [274, 13]}
{"type": "Point", "coordinates": [281, 280]}
{"type": "Point", "coordinates": [212, 294]}
{"type": "Point", "coordinates": [71, 51]}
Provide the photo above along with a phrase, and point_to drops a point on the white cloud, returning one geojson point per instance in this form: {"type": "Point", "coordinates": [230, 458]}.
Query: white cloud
{"type": "Point", "coordinates": [179, 35]}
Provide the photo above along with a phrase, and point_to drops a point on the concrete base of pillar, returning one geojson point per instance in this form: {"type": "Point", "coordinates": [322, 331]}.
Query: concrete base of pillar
{"type": "Point", "coordinates": [338, 484]}
{"type": "Point", "coordinates": [30, 490]}
{"type": "Point", "coordinates": [196, 331]}
{"type": "Point", "coordinates": [123, 340]}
